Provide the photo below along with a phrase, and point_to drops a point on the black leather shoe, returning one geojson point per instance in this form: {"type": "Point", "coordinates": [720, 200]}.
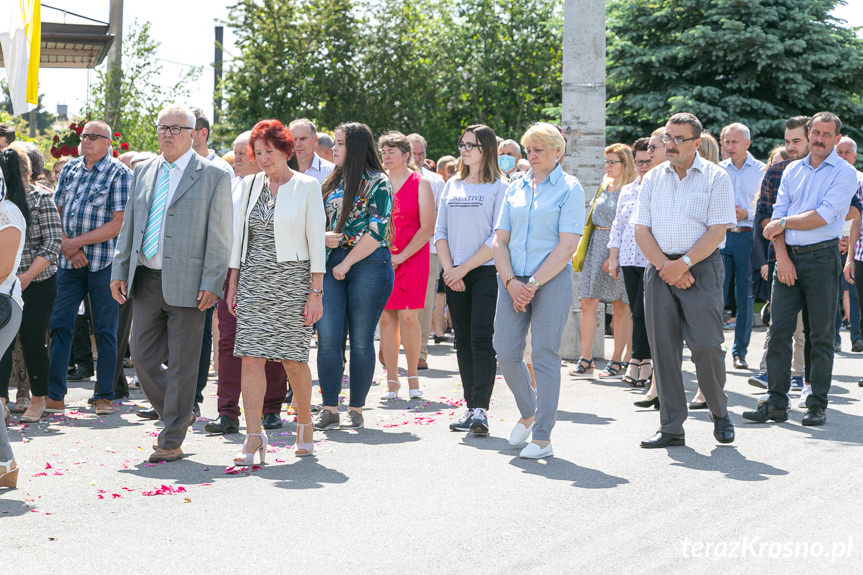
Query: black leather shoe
{"type": "Point", "coordinates": [196, 411]}
{"type": "Point", "coordinates": [271, 421]}
{"type": "Point", "coordinates": [697, 405]}
{"type": "Point", "coordinates": [815, 416]}
{"type": "Point", "coordinates": [662, 439]}
{"type": "Point", "coordinates": [645, 403]}
{"type": "Point", "coordinates": [860, 383]}
{"type": "Point", "coordinates": [723, 429]}
{"type": "Point", "coordinates": [765, 412]}
{"type": "Point", "coordinates": [222, 425]}
{"type": "Point", "coordinates": [148, 414]}
{"type": "Point", "coordinates": [80, 374]}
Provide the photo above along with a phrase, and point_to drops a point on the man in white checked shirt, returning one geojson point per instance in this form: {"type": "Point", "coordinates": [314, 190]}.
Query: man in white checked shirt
{"type": "Point", "coordinates": [171, 259]}
{"type": "Point", "coordinates": [683, 211]}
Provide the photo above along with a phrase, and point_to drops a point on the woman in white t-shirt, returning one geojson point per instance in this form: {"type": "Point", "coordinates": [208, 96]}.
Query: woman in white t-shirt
{"type": "Point", "coordinates": [13, 225]}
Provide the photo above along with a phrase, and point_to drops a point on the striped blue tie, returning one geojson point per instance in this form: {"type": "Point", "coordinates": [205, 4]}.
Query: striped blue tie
{"type": "Point", "coordinates": [150, 244]}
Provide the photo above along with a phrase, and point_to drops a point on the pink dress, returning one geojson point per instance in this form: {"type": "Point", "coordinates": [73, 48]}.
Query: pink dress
{"type": "Point", "coordinates": [409, 289]}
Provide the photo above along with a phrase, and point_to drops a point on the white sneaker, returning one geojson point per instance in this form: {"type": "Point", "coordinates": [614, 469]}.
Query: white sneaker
{"type": "Point", "coordinates": [807, 391]}
{"type": "Point", "coordinates": [520, 434]}
{"type": "Point", "coordinates": [534, 451]}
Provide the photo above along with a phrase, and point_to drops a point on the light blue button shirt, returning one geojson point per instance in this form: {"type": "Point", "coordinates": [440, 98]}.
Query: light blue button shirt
{"type": "Point", "coordinates": [747, 185]}
{"type": "Point", "coordinates": [826, 189]}
{"type": "Point", "coordinates": [535, 220]}
{"type": "Point", "coordinates": [320, 169]}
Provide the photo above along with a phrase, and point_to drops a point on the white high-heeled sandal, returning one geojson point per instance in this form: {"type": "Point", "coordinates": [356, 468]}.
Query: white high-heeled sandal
{"type": "Point", "coordinates": [9, 477]}
{"type": "Point", "coordinates": [308, 448]}
{"type": "Point", "coordinates": [414, 393]}
{"type": "Point", "coordinates": [246, 458]}
{"type": "Point", "coordinates": [392, 394]}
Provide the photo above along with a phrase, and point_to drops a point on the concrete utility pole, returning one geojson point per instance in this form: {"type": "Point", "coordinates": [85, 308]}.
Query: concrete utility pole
{"type": "Point", "coordinates": [584, 122]}
{"type": "Point", "coordinates": [115, 65]}
{"type": "Point", "coordinates": [217, 74]}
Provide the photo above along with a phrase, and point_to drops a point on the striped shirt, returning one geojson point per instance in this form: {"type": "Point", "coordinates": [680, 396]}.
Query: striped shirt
{"type": "Point", "coordinates": [87, 199]}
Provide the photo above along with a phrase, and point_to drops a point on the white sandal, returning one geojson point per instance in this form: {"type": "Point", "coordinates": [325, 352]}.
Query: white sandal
{"type": "Point", "coordinates": [414, 393]}
{"type": "Point", "coordinates": [308, 448]}
{"type": "Point", "coordinates": [246, 458]}
{"type": "Point", "coordinates": [9, 477]}
{"type": "Point", "coordinates": [392, 394]}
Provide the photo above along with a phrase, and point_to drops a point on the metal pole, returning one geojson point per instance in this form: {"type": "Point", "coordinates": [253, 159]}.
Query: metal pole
{"type": "Point", "coordinates": [115, 67]}
{"type": "Point", "coordinates": [217, 74]}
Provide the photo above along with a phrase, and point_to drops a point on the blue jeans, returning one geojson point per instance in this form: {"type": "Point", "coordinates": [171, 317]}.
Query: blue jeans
{"type": "Point", "coordinates": [72, 287]}
{"type": "Point", "coordinates": [853, 313]}
{"type": "Point", "coordinates": [359, 300]}
{"type": "Point", "coordinates": [736, 253]}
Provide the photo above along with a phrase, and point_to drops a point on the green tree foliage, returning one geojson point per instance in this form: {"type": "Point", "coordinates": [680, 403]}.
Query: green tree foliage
{"type": "Point", "coordinates": [44, 118]}
{"type": "Point", "coordinates": [141, 93]}
{"type": "Point", "coordinates": [752, 61]}
{"type": "Point", "coordinates": [430, 66]}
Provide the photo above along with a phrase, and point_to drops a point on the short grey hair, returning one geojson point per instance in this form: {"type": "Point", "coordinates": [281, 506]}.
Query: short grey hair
{"type": "Point", "coordinates": [418, 138]}
{"type": "Point", "coordinates": [844, 140]}
{"type": "Point", "coordinates": [245, 137]}
{"type": "Point", "coordinates": [142, 157]}
{"type": "Point", "coordinates": [178, 109]}
{"type": "Point", "coordinates": [737, 126]}
{"type": "Point", "coordinates": [325, 140]}
{"type": "Point", "coordinates": [510, 144]}
{"type": "Point", "coordinates": [304, 122]}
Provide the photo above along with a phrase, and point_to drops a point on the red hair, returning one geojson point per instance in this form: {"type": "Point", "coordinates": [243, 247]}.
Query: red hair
{"type": "Point", "coordinates": [274, 132]}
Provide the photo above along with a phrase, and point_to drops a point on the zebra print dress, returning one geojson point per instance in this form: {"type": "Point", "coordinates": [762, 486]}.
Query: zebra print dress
{"type": "Point", "coordinates": [271, 294]}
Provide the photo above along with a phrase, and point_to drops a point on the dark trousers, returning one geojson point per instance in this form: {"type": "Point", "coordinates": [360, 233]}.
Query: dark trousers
{"type": "Point", "coordinates": [736, 255]}
{"type": "Point", "coordinates": [82, 348]}
{"type": "Point", "coordinates": [693, 314]}
{"type": "Point", "coordinates": [124, 327]}
{"type": "Point", "coordinates": [858, 286]}
{"type": "Point", "coordinates": [170, 335]}
{"type": "Point", "coordinates": [72, 287]}
{"type": "Point", "coordinates": [472, 313]}
{"type": "Point", "coordinates": [853, 312]}
{"type": "Point", "coordinates": [38, 302]}
{"type": "Point", "coordinates": [633, 280]}
{"type": "Point", "coordinates": [206, 354]}
{"type": "Point", "coordinates": [231, 369]}
{"type": "Point", "coordinates": [815, 291]}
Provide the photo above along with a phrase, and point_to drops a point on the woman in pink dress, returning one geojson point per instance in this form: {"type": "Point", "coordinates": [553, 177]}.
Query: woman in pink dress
{"type": "Point", "coordinates": [411, 227]}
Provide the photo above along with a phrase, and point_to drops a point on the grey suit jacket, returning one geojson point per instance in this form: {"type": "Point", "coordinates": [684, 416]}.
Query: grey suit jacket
{"type": "Point", "coordinates": [198, 231]}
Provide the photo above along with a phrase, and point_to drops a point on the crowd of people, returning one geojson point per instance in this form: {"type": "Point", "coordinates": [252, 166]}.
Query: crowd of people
{"type": "Point", "coordinates": [295, 237]}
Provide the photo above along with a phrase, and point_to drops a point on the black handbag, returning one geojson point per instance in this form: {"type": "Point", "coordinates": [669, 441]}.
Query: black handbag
{"type": "Point", "coordinates": [5, 308]}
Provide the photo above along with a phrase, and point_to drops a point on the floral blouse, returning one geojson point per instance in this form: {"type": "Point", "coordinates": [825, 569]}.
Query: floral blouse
{"type": "Point", "coordinates": [371, 212]}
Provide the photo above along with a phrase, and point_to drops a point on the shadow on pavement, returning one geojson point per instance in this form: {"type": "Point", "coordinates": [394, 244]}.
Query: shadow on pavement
{"type": "Point", "coordinates": [725, 459]}
{"type": "Point", "coordinates": [12, 507]}
{"type": "Point", "coordinates": [563, 470]}
{"type": "Point", "coordinates": [368, 436]}
{"type": "Point", "coordinates": [586, 418]}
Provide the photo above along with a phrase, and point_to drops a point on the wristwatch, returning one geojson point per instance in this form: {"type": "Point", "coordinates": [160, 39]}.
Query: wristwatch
{"type": "Point", "coordinates": [686, 260]}
{"type": "Point", "coordinates": [782, 223]}
{"type": "Point", "coordinates": [532, 281]}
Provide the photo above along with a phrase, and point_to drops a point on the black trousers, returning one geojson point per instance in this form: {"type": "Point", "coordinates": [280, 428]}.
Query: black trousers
{"type": "Point", "coordinates": [633, 280]}
{"type": "Point", "coordinates": [472, 313]}
{"type": "Point", "coordinates": [124, 327]}
{"type": "Point", "coordinates": [82, 347]}
{"type": "Point", "coordinates": [38, 303]}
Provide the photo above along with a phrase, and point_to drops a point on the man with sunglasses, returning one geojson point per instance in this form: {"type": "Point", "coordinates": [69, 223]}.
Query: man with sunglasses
{"type": "Point", "coordinates": [684, 209]}
{"type": "Point", "coordinates": [91, 197]}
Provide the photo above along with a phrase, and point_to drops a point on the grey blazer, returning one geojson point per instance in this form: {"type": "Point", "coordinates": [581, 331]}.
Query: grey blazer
{"type": "Point", "coordinates": [198, 231]}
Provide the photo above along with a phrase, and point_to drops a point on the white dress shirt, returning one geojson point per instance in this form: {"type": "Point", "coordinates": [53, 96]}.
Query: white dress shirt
{"type": "Point", "coordinates": [747, 185]}
{"type": "Point", "coordinates": [320, 169]}
{"type": "Point", "coordinates": [174, 177]}
{"type": "Point", "coordinates": [679, 211]}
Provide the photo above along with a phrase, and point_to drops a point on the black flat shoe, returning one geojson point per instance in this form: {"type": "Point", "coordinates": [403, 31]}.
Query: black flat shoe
{"type": "Point", "coordinates": [271, 421]}
{"type": "Point", "coordinates": [815, 416]}
{"type": "Point", "coordinates": [766, 412]}
{"type": "Point", "coordinates": [645, 403]}
{"type": "Point", "coordinates": [80, 374]}
{"type": "Point", "coordinates": [661, 439]}
{"type": "Point", "coordinates": [697, 405]}
{"type": "Point", "coordinates": [723, 429]}
{"type": "Point", "coordinates": [148, 414]}
{"type": "Point", "coordinates": [223, 425]}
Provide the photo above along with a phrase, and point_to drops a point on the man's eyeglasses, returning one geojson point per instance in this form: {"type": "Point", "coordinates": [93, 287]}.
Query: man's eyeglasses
{"type": "Point", "coordinates": [612, 162]}
{"type": "Point", "coordinates": [652, 147]}
{"type": "Point", "coordinates": [93, 137]}
{"type": "Point", "coordinates": [677, 140]}
{"type": "Point", "coordinates": [468, 146]}
{"type": "Point", "coordinates": [175, 130]}
{"type": "Point", "coordinates": [642, 163]}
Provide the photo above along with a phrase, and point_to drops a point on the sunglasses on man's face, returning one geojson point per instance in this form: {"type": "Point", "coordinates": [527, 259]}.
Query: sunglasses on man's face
{"type": "Point", "coordinates": [93, 137]}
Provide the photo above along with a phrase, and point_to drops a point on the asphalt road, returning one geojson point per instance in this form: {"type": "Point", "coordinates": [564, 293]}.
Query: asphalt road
{"type": "Point", "coordinates": [406, 495]}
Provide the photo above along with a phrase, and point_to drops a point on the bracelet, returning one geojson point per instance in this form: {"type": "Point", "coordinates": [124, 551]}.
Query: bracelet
{"type": "Point", "coordinates": [320, 291]}
{"type": "Point", "coordinates": [506, 283]}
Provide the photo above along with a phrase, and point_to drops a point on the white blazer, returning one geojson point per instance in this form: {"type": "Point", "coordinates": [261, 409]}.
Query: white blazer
{"type": "Point", "coordinates": [299, 221]}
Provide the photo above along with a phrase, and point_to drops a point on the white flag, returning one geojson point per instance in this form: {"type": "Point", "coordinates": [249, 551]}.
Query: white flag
{"type": "Point", "coordinates": [20, 38]}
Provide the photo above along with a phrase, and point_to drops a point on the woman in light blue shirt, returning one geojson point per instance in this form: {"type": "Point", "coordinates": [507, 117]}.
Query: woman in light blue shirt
{"type": "Point", "coordinates": [540, 224]}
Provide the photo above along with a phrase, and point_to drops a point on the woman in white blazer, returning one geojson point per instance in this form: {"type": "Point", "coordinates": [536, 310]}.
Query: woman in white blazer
{"type": "Point", "coordinates": [276, 289]}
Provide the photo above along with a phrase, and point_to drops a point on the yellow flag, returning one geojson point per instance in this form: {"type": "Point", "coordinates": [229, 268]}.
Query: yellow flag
{"type": "Point", "coordinates": [20, 38]}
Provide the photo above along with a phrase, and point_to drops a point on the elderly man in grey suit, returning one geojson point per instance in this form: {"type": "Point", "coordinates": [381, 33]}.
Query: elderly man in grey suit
{"type": "Point", "coordinates": [171, 258]}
